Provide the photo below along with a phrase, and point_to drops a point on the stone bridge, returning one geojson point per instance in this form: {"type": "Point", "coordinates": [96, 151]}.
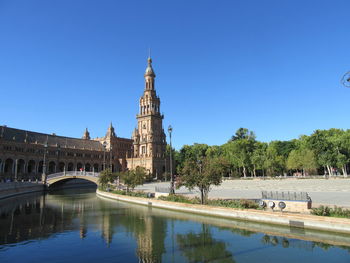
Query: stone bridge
{"type": "Point", "coordinates": [56, 177]}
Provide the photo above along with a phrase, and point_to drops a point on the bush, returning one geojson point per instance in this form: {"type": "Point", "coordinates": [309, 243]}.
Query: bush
{"type": "Point", "coordinates": [180, 199]}
{"type": "Point", "coordinates": [242, 204]}
{"type": "Point", "coordinates": [134, 194]}
{"type": "Point", "coordinates": [333, 212]}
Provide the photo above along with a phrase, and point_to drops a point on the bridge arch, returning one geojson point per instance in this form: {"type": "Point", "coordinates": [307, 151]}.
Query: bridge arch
{"type": "Point", "coordinates": [57, 177]}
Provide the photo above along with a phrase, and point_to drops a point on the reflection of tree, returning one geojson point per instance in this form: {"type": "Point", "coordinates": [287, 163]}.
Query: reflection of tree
{"type": "Point", "coordinates": [203, 247]}
{"type": "Point", "coordinates": [149, 232]}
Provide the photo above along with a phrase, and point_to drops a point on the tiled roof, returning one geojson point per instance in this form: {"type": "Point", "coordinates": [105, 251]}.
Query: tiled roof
{"type": "Point", "coordinates": [12, 134]}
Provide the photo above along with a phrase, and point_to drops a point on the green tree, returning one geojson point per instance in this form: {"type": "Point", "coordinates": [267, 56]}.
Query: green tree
{"type": "Point", "coordinates": [201, 174]}
{"type": "Point", "coordinates": [258, 157]}
{"type": "Point", "coordinates": [243, 133]}
{"type": "Point", "coordinates": [133, 178]}
{"type": "Point", "coordinates": [322, 142]}
{"type": "Point", "coordinates": [190, 153]}
{"type": "Point", "coordinates": [302, 159]}
{"type": "Point", "coordinates": [275, 160]}
{"type": "Point", "coordinates": [239, 153]}
{"type": "Point", "coordinates": [106, 177]}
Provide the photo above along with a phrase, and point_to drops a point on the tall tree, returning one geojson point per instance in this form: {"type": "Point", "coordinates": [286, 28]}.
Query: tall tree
{"type": "Point", "coordinates": [258, 158]}
{"type": "Point", "coordinates": [243, 133]}
{"type": "Point", "coordinates": [106, 177]}
{"type": "Point", "coordinates": [133, 178]}
{"type": "Point", "coordinates": [202, 174]}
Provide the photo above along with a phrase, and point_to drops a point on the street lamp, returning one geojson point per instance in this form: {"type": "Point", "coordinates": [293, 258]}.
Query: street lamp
{"type": "Point", "coordinates": [172, 190]}
{"type": "Point", "coordinates": [104, 155]}
{"type": "Point", "coordinates": [44, 164]}
{"type": "Point", "coordinates": [110, 158]}
{"type": "Point", "coordinates": [16, 169]}
{"type": "Point", "coordinates": [58, 158]}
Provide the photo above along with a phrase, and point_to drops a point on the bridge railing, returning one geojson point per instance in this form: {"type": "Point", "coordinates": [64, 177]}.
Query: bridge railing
{"type": "Point", "coordinates": [73, 173]}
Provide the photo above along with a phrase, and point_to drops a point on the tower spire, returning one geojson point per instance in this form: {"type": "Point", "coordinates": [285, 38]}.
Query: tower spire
{"type": "Point", "coordinates": [110, 131]}
{"type": "Point", "coordinates": [86, 134]}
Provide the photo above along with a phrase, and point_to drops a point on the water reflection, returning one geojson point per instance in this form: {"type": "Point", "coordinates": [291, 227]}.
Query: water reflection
{"type": "Point", "coordinates": [202, 247]}
{"type": "Point", "coordinates": [133, 233]}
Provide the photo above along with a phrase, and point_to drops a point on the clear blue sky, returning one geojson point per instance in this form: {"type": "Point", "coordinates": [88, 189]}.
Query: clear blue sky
{"type": "Point", "coordinates": [271, 66]}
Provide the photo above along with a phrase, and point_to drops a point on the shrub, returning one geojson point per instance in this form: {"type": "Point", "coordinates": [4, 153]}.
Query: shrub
{"type": "Point", "coordinates": [180, 199]}
{"type": "Point", "coordinates": [135, 194]}
{"type": "Point", "coordinates": [333, 212]}
{"type": "Point", "coordinates": [242, 204]}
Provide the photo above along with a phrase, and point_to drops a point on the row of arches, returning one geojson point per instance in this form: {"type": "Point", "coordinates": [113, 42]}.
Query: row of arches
{"type": "Point", "coordinates": [10, 166]}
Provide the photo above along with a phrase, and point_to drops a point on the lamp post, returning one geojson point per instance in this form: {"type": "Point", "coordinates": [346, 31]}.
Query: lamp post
{"type": "Point", "coordinates": [110, 158]}
{"type": "Point", "coordinates": [16, 169]}
{"type": "Point", "coordinates": [172, 190]}
{"type": "Point", "coordinates": [44, 164]}
{"type": "Point", "coordinates": [132, 157]}
{"type": "Point", "coordinates": [104, 156]}
{"type": "Point", "coordinates": [58, 158]}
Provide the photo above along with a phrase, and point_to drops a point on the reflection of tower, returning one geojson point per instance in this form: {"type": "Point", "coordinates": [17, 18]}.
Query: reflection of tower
{"type": "Point", "coordinates": [82, 228]}
{"type": "Point", "coordinates": [145, 242]}
{"type": "Point", "coordinates": [107, 233]}
{"type": "Point", "coordinates": [151, 241]}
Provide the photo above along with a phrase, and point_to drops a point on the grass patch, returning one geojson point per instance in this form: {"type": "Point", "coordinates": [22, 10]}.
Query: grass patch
{"type": "Point", "coordinates": [332, 212]}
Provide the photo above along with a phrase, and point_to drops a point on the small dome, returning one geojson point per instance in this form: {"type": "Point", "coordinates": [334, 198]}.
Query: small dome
{"type": "Point", "coordinates": [149, 69]}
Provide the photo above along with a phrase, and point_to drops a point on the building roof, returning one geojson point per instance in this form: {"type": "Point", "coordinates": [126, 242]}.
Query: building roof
{"type": "Point", "coordinates": [23, 136]}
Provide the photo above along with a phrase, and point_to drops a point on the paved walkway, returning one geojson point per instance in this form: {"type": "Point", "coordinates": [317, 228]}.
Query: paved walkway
{"type": "Point", "coordinates": [326, 192]}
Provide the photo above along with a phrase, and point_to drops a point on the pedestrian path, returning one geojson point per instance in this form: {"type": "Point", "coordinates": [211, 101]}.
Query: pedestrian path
{"type": "Point", "coordinates": [322, 191]}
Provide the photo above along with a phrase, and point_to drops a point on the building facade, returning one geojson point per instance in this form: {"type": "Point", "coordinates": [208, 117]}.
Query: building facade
{"type": "Point", "coordinates": [149, 140]}
{"type": "Point", "coordinates": [24, 155]}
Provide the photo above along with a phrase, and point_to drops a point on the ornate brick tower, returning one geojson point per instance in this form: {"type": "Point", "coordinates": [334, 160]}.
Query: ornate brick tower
{"type": "Point", "coordinates": [149, 137]}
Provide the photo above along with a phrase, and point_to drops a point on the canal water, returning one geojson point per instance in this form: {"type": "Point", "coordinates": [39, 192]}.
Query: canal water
{"type": "Point", "coordinates": [77, 226]}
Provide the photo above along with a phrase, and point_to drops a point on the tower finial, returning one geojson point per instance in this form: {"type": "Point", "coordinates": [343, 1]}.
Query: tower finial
{"type": "Point", "coordinates": [149, 52]}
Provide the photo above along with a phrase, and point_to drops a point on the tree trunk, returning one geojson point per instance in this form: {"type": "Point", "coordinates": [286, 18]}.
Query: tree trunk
{"type": "Point", "coordinates": [344, 171]}
{"type": "Point", "coordinates": [263, 173]}
{"type": "Point", "coordinates": [244, 172]}
{"type": "Point", "coordinates": [329, 171]}
{"type": "Point", "coordinates": [202, 196]}
{"type": "Point", "coordinates": [254, 171]}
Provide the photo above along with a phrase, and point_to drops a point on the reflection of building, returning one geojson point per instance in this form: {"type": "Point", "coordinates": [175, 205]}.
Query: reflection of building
{"type": "Point", "coordinates": [22, 152]}
{"type": "Point", "coordinates": [150, 242]}
{"type": "Point", "coordinates": [107, 228]}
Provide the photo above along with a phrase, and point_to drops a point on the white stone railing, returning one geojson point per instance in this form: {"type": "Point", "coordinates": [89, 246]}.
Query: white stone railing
{"type": "Point", "coordinates": [73, 173]}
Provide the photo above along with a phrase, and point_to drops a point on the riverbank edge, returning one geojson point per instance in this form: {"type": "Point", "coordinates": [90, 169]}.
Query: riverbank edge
{"type": "Point", "coordinates": [20, 190]}
{"type": "Point", "coordinates": [330, 224]}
